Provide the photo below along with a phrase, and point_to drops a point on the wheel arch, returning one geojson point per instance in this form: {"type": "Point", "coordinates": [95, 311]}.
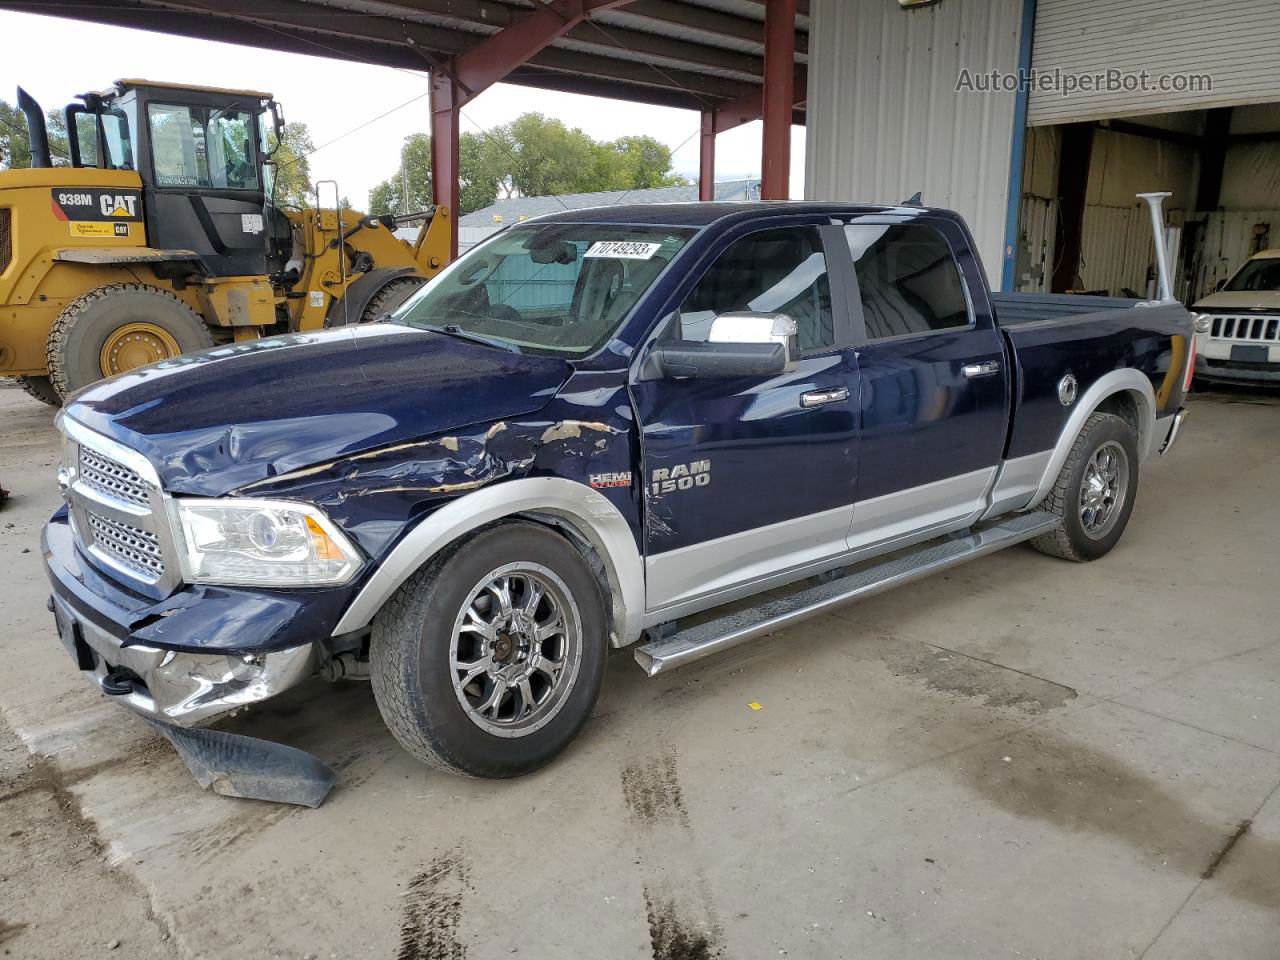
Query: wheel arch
{"type": "Point", "coordinates": [571, 507]}
{"type": "Point", "coordinates": [1126, 393]}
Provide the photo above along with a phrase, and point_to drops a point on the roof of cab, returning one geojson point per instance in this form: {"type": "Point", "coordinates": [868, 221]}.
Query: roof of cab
{"type": "Point", "coordinates": [128, 82]}
{"type": "Point", "coordinates": [703, 214]}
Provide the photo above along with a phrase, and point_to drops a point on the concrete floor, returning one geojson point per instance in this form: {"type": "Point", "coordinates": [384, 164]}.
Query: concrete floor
{"type": "Point", "coordinates": [1026, 758]}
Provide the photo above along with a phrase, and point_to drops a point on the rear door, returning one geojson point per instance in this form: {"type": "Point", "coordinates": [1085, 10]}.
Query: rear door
{"type": "Point", "coordinates": [749, 477]}
{"type": "Point", "coordinates": [933, 383]}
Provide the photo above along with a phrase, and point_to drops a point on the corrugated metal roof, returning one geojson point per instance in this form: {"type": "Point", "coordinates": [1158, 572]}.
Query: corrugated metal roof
{"type": "Point", "coordinates": [687, 53]}
{"type": "Point", "coordinates": [513, 209]}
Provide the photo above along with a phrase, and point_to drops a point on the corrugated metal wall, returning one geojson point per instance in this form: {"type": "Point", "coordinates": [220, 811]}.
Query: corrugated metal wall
{"type": "Point", "coordinates": [1234, 41]}
{"type": "Point", "coordinates": [885, 118]}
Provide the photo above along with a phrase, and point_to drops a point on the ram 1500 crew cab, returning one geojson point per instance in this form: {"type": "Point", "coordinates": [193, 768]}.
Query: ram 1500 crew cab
{"type": "Point", "coordinates": [587, 429]}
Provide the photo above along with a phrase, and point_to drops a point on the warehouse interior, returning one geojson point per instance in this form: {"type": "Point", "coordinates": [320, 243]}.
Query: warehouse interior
{"type": "Point", "coordinates": [1081, 229]}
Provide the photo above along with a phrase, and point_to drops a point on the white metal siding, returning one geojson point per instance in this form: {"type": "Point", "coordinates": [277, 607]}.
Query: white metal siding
{"type": "Point", "coordinates": [1234, 41]}
{"type": "Point", "coordinates": [885, 119]}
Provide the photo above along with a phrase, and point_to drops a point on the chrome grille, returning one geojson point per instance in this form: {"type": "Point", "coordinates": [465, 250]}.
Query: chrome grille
{"type": "Point", "coordinates": [1257, 329]}
{"type": "Point", "coordinates": [138, 550]}
{"type": "Point", "coordinates": [113, 479]}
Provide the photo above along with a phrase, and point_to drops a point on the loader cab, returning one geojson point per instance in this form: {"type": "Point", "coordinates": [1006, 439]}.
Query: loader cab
{"type": "Point", "coordinates": [200, 153]}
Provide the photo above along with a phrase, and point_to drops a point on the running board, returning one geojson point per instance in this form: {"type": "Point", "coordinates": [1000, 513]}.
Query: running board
{"type": "Point", "coordinates": [705, 639]}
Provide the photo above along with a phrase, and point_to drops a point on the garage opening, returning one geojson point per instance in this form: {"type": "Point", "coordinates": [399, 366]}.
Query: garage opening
{"type": "Point", "coordinates": [1081, 230]}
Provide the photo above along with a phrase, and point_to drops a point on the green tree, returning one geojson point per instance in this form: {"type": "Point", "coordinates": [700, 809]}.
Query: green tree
{"type": "Point", "coordinates": [531, 156]}
{"type": "Point", "coordinates": [15, 141]}
{"type": "Point", "coordinates": [293, 187]}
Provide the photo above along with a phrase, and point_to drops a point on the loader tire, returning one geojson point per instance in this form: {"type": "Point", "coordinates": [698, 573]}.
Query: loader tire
{"type": "Point", "coordinates": [41, 388]}
{"type": "Point", "coordinates": [488, 661]}
{"type": "Point", "coordinates": [393, 293]}
{"type": "Point", "coordinates": [116, 328]}
{"type": "Point", "coordinates": [1095, 491]}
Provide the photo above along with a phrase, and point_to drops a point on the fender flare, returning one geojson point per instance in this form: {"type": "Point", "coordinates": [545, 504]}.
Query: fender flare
{"type": "Point", "coordinates": [1117, 381]}
{"type": "Point", "coordinates": [588, 514]}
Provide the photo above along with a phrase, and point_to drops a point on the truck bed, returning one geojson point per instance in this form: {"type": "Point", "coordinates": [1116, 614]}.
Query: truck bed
{"type": "Point", "coordinates": [1014, 309]}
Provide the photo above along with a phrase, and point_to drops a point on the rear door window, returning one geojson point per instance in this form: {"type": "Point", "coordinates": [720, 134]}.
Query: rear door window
{"type": "Point", "coordinates": [908, 279]}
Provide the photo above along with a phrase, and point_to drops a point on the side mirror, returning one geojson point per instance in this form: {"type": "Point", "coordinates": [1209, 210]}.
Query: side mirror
{"type": "Point", "coordinates": [747, 327]}
{"type": "Point", "coordinates": [692, 360]}
{"type": "Point", "coordinates": [740, 344]}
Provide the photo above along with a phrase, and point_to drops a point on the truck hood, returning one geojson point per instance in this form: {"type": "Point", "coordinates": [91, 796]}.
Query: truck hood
{"type": "Point", "coordinates": [216, 420]}
{"type": "Point", "coordinates": [1242, 300]}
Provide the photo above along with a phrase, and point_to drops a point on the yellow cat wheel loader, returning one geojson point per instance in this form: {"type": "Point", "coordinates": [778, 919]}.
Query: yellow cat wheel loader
{"type": "Point", "coordinates": [162, 236]}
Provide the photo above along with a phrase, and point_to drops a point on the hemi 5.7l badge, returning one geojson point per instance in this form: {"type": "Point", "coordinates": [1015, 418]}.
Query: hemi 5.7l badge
{"type": "Point", "coordinates": [603, 480]}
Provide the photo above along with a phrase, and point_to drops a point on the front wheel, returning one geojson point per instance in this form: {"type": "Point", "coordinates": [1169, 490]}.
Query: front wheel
{"type": "Point", "coordinates": [488, 661]}
{"type": "Point", "coordinates": [1095, 491]}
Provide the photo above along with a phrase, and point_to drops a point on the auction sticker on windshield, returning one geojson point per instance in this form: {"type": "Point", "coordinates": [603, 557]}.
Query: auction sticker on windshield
{"type": "Point", "coordinates": [622, 249]}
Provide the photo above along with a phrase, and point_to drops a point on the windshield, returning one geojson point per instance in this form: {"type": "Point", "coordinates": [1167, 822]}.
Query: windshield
{"type": "Point", "coordinates": [203, 146]}
{"type": "Point", "coordinates": [560, 289]}
{"type": "Point", "coordinates": [1260, 274]}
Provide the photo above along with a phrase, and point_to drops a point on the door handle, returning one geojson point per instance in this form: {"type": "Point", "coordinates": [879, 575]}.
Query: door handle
{"type": "Point", "coordinates": [816, 398]}
{"type": "Point", "coordinates": [987, 368]}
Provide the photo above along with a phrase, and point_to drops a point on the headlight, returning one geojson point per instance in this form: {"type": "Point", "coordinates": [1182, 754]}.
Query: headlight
{"type": "Point", "coordinates": [276, 543]}
{"type": "Point", "coordinates": [1202, 321]}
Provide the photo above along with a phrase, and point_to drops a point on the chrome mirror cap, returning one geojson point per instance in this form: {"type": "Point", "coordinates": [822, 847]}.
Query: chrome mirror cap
{"type": "Point", "coordinates": [749, 327]}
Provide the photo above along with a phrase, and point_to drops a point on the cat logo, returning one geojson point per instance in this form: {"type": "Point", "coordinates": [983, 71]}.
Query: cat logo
{"type": "Point", "coordinates": [119, 205]}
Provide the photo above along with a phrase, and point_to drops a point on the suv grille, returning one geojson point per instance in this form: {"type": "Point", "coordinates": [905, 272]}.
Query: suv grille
{"type": "Point", "coordinates": [6, 237]}
{"type": "Point", "coordinates": [139, 550]}
{"type": "Point", "coordinates": [1265, 329]}
{"type": "Point", "coordinates": [114, 479]}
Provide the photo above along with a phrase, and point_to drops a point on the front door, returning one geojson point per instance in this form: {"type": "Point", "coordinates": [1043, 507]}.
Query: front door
{"type": "Point", "coordinates": [748, 477]}
{"type": "Point", "coordinates": [933, 388]}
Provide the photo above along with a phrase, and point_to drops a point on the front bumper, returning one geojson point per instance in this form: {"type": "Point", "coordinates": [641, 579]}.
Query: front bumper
{"type": "Point", "coordinates": [205, 663]}
{"type": "Point", "coordinates": [173, 687]}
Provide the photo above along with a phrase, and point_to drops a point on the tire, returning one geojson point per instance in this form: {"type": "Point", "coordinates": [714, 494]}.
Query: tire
{"type": "Point", "coordinates": [413, 646]}
{"type": "Point", "coordinates": [76, 341]}
{"type": "Point", "coordinates": [389, 296]}
{"type": "Point", "coordinates": [1090, 528]}
{"type": "Point", "coordinates": [41, 388]}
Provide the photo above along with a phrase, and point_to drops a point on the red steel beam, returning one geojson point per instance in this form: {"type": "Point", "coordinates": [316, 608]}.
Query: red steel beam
{"type": "Point", "coordinates": [707, 157]}
{"type": "Point", "coordinates": [778, 98]}
{"type": "Point", "coordinates": [461, 78]}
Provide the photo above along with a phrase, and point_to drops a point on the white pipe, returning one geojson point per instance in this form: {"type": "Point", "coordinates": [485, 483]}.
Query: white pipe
{"type": "Point", "coordinates": [1155, 203]}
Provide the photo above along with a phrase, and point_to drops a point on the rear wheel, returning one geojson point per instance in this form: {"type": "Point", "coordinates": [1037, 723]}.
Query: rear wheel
{"type": "Point", "coordinates": [1095, 491]}
{"type": "Point", "coordinates": [488, 661]}
{"type": "Point", "coordinates": [117, 328]}
{"type": "Point", "coordinates": [41, 388]}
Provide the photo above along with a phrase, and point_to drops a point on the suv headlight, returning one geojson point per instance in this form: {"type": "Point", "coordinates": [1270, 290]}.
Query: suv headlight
{"type": "Point", "coordinates": [275, 543]}
{"type": "Point", "coordinates": [1202, 321]}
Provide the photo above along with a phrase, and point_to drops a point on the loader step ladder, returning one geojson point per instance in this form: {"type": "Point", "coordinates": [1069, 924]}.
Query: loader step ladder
{"type": "Point", "coordinates": [704, 639]}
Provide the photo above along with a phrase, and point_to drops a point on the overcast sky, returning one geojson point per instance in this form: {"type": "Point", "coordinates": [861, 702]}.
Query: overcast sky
{"type": "Point", "coordinates": [56, 59]}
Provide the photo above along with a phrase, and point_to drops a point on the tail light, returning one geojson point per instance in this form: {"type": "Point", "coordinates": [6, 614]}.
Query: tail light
{"type": "Point", "coordinates": [1191, 364]}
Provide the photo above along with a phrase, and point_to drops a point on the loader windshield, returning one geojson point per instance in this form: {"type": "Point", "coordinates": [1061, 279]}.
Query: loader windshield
{"type": "Point", "coordinates": [561, 289]}
{"type": "Point", "coordinates": [203, 146]}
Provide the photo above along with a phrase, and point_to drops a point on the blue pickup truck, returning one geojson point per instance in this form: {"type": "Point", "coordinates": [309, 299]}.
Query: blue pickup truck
{"type": "Point", "coordinates": [583, 432]}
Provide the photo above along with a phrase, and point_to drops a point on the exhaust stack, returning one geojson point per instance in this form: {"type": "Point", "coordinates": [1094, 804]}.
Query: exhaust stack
{"type": "Point", "coordinates": [36, 132]}
{"type": "Point", "coordinates": [1155, 202]}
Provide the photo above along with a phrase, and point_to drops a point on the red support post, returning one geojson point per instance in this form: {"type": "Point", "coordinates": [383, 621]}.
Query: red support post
{"type": "Point", "coordinates": [779, 98]}
{"type": "Point", "coordinates": [444, 151]}
{"type": "Point", "coordinates": [707, 157]}
{"type": "Point", "coordinates": [458, 81]}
